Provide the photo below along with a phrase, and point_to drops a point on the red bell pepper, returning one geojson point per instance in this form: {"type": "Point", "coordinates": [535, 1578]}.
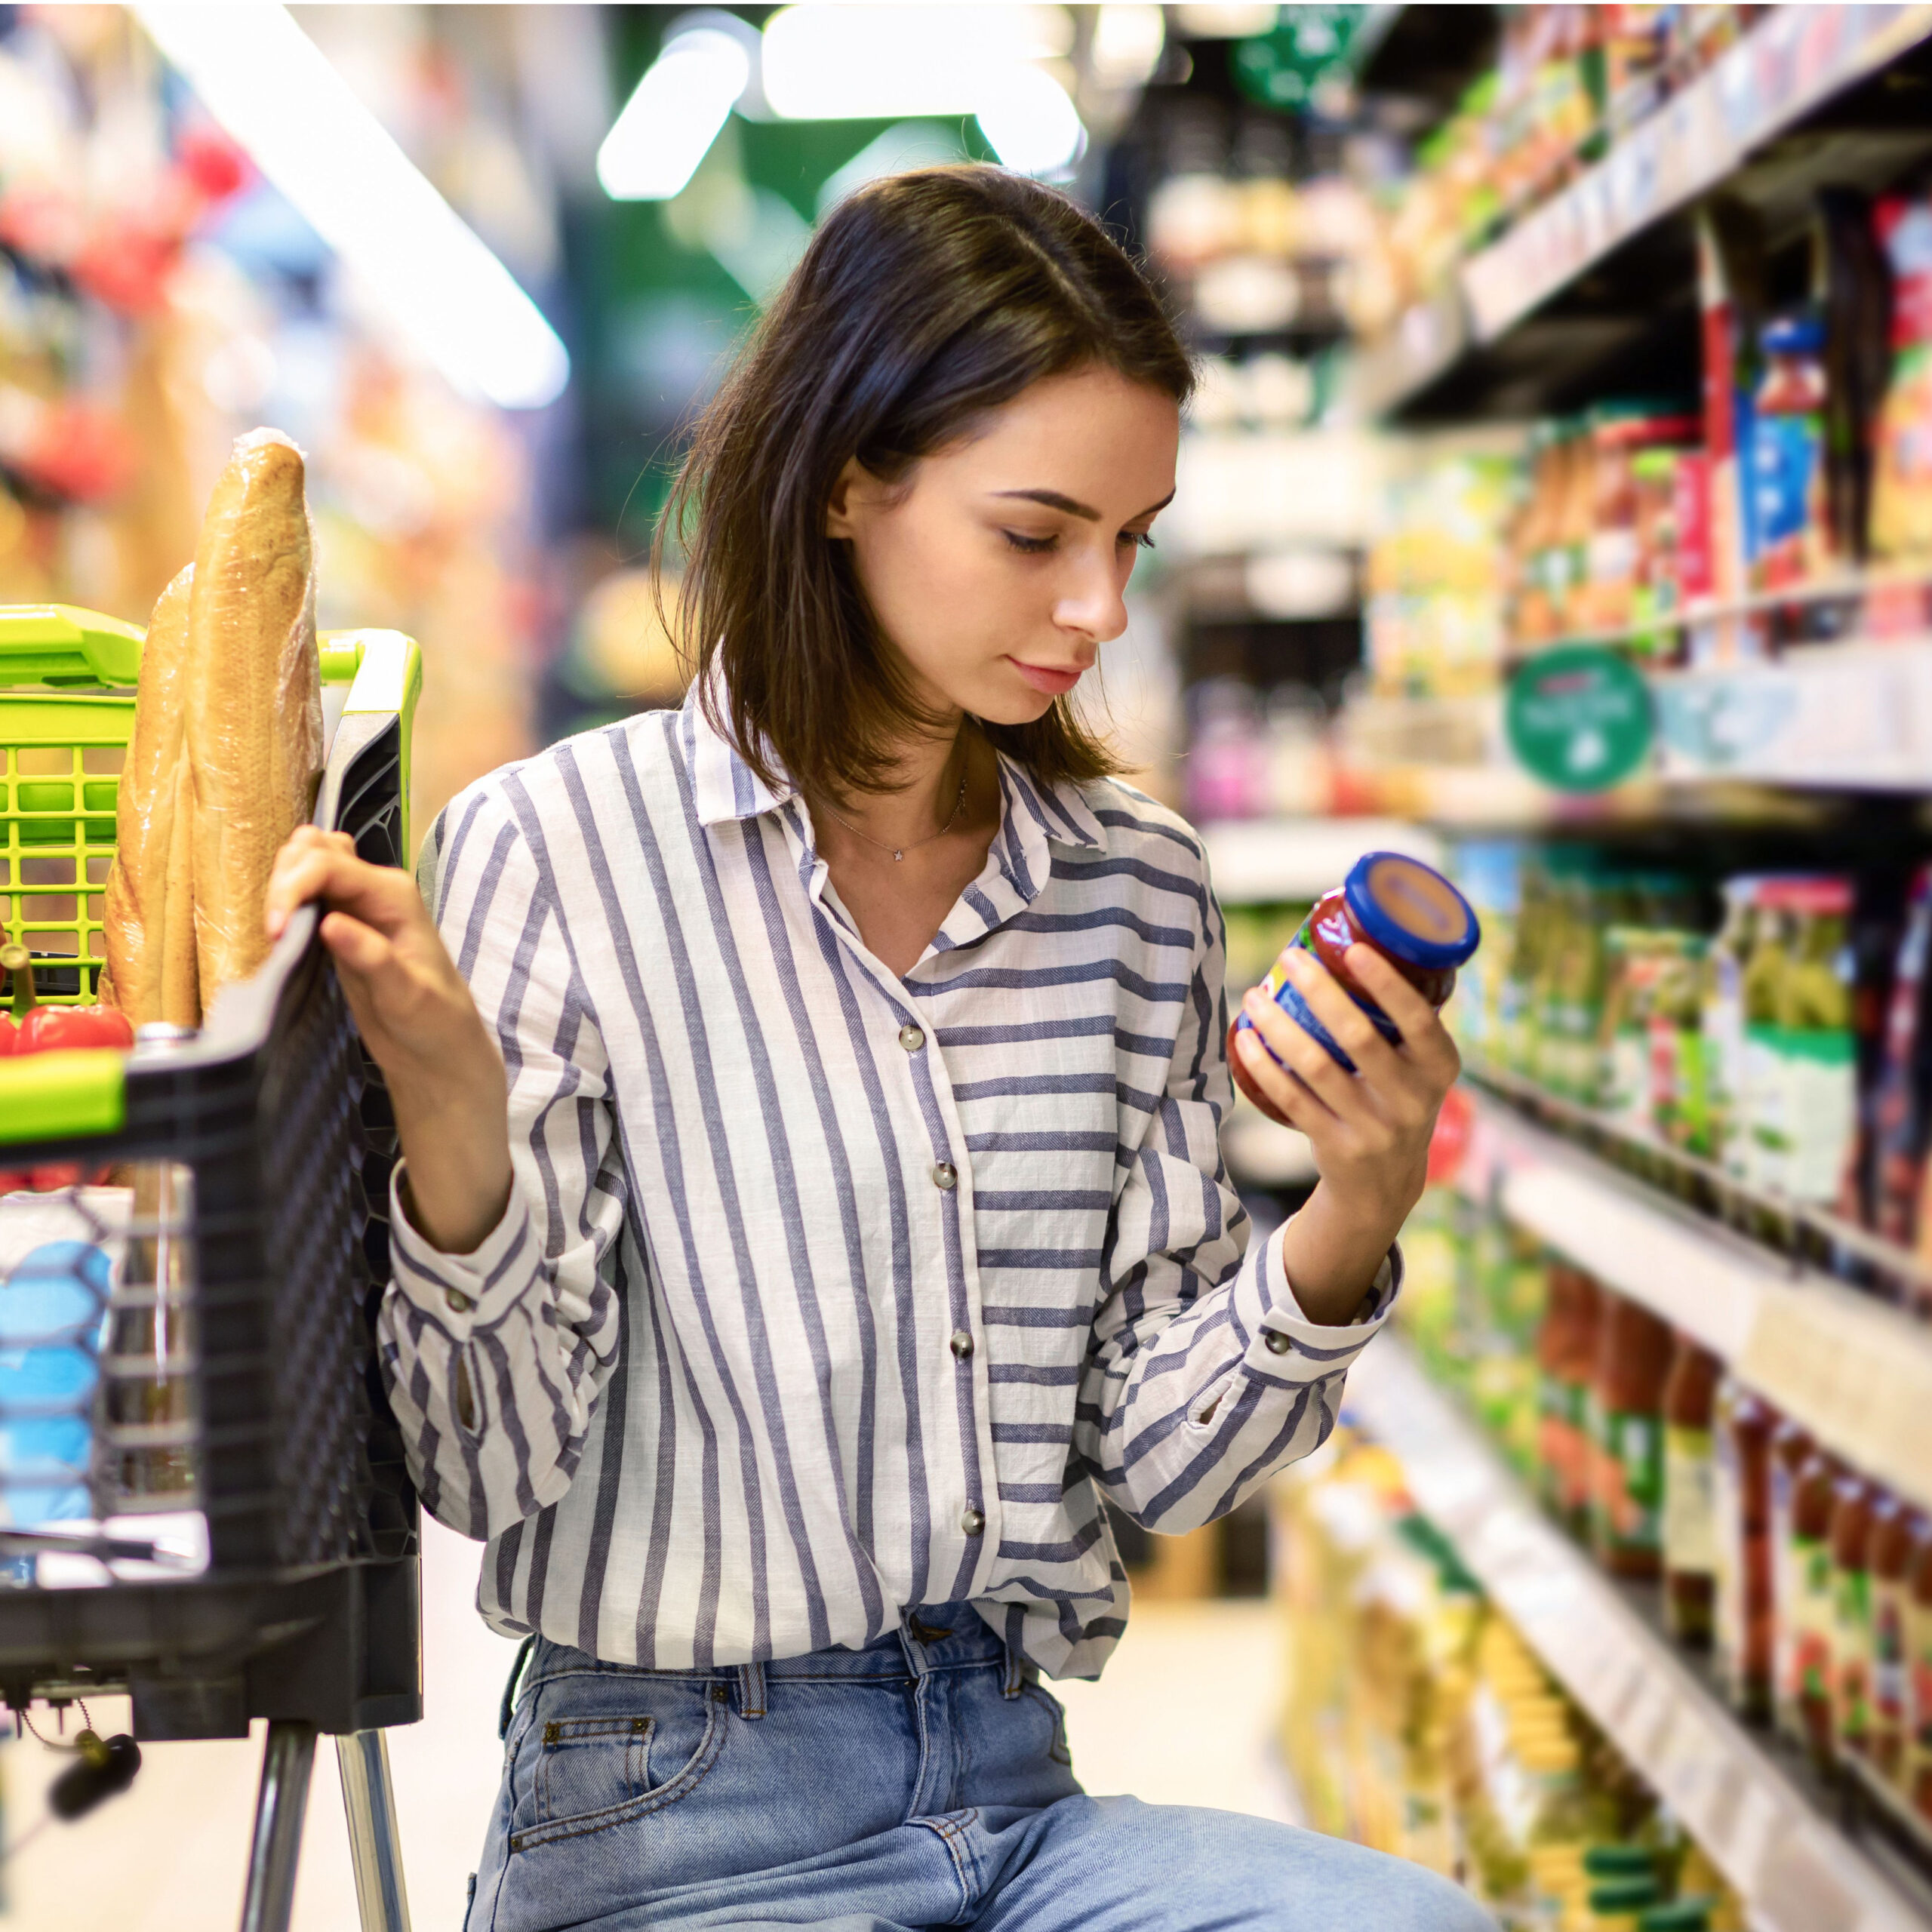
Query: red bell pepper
{"type": "Point", "coordinates": [35, 1029]}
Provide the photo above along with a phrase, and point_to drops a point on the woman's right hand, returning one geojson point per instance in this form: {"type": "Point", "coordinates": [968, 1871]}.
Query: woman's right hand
{"type": "Point", "coordinates": [416, 1016]}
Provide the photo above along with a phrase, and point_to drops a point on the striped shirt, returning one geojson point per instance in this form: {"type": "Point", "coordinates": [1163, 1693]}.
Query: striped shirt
{"type": "Point", "coordinates": [822, 1292]}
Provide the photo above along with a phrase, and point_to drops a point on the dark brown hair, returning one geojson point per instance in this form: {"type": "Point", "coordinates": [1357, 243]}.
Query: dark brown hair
{"type": "Point", "coordinates": [924, 301]}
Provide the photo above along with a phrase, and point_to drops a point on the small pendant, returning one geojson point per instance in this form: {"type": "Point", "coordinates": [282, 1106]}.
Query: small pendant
{"type": "Point", "coordinates": [899, 855]}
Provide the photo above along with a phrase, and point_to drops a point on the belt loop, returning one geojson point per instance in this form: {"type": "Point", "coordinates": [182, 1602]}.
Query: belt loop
{"type": "Point", "coordinates": [1016, 1664]}
{"type": "Point", "coordinates": [508, 1708]}
{"type": "Point", "coordinates": [751, 1689]}
{"type": "Point", "coordinates": [915, 1651]}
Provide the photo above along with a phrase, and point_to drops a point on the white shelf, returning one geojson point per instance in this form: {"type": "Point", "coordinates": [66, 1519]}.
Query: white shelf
{"type": "Point", "coordinates": [1257, 862]}
{"type": "Point", "coordinates": [1852, 714]}
{"type": "Point", "coordinates": [1795, 1871]}
{"type": "Point", "coordinates": [1856, 1372]}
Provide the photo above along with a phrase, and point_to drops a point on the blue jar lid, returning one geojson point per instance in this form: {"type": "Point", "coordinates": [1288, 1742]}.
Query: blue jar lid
{"type": "Point", "coordinates": [1411, 911]}
{"type": "Point", "coordinates": [1793, 335]}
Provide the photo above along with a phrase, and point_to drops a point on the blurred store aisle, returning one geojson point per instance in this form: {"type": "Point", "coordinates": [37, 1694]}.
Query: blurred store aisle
{"type": "Point", "coordinates": [169, 1857]}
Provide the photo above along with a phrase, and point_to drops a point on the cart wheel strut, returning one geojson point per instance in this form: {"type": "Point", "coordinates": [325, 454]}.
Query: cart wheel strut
{"type": "Point", "coordinates": [369, 1797]}
{"type": "Point", "coordinates": [287, 1759]}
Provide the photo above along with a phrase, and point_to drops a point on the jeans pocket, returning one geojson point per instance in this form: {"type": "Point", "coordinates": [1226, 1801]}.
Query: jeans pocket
{"type": "Point", "coordinates": [594, 1771]}
{"type": "Point", "coordinates": [587, 1765]}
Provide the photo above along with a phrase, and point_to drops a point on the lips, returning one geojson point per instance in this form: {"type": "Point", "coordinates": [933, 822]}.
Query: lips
{"type": "Point", "coordinates": [1045, 678]}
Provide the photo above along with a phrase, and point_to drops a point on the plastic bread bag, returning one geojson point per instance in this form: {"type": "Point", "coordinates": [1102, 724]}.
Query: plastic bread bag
{"type": "Point", "coordinates": [254, 698]}
{"type": "Point", "coordinates": [152, 973]}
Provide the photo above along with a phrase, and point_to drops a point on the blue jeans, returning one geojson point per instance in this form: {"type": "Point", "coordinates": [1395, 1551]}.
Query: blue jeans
{"type": "Point", "coordinates": [923, 1781]}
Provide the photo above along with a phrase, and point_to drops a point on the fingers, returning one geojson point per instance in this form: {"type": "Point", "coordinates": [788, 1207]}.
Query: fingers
{"type": "Point", "coordinates": [323, 864]}
{"type": "Point", "coordinates": [360, 948]}
{"type": "Point", "coordinates": [1424, 1033]}
{"type": "Point", "coordinates": [1349, 1026]}
{"type": "Point", "coordinates": [1303, 1055]}
{"type": "Point", "coordinates": [1290, 1097]}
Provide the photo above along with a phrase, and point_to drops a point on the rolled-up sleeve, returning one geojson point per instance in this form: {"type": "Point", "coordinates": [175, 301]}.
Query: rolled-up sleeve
{"type": "Point", "coordinates": [496, 1359]}
{"type": "Point", "coordinates": [1204, 1376]}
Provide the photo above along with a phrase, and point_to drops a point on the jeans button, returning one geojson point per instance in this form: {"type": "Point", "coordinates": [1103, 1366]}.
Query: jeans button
{"type": "Point", "coordinates": [962, 1344]}
{"type": "Point", "coordinates": [945, 1175]}
{"type": "Point", "coordinates": [912, 1039]}
{"type": "Point", "coordinates": [972, 1520]}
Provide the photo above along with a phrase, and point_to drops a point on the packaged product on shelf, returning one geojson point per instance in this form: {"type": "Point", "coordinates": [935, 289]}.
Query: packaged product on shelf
{"type": "Point", "coordinates": [1858, 360]}
{"type": "Point", "coordinates": [1566, 1359]}
{"type": "Point", "coordinates": [1633, 966]}
{"type": "Point", "coordinates": [1626, 1438]}
{"type": "Point", "coordinates": [1812, 1610]}
{"type": "Point", "coordinates": [1721, 1021]}
{"type": "Point", "coordinates": [1895, 1526]}
{"type": "Point", "coordinates": [1916, 1771]}
{"type": "Point", "coordinates": [1742, 1610]}
{"type": "Point", "coordinates": [1901, 478]}
{"type": "Point", "coordinates": [1791, 1450]}
{"type": "Point", "coordinates": [1690, 1473]}
{"type": "Point", "coordinates": [1902, 1093]}
{"type": "Point", "coordinates": [1608, 596]}
{"type": "Point", "coordinates": [1800, 1052]}
{"type": "Point", "coordinates": [1790, 538]}
{"type": "Point", "coordinates": [1853, 1501]}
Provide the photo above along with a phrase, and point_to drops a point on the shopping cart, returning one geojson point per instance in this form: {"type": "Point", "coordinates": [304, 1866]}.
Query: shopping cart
{"type": "Point", "coordinates": [204, 1496]}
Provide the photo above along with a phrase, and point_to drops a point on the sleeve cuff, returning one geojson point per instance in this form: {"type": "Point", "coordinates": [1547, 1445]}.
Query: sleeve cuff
{"type": "Point", "coordinates": [1281, 1343]}
{"type": "Point", "coordinates": [461, 1292]}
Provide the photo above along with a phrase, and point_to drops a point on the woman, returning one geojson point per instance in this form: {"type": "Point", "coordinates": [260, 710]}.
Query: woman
{"type": "Point", "coordinates": [813, 1204]}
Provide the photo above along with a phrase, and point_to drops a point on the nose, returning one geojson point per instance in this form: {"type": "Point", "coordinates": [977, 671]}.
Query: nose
{"type": "Point", "coordinates": [1093, 602]}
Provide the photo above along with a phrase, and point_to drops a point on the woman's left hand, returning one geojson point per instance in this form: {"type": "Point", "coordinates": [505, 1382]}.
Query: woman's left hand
{"type": "Point", "coordinates": [1370, 1129]}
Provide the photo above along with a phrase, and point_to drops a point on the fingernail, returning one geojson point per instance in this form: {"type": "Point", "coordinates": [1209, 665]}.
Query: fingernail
{"type": "Point", "coordinates": [1294, 962]}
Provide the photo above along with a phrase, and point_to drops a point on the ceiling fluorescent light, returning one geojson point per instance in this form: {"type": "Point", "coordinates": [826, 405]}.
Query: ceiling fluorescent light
{"type": "Point", "coordinates": [668, 124]}
{"type": "Point", "coordinates": [893, 63]}
{"type": "Point", "coordinates": [1032, 126]}
{"type": "Point", "coordinates": [273, 90]}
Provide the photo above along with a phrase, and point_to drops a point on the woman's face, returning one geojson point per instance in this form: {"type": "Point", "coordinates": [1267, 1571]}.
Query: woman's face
{"type": "Point", "coordinates": [997, 566]}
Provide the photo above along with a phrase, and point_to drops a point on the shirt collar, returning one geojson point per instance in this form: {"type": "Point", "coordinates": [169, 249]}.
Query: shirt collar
{"type": "Point", "coordinates": [723, 786]}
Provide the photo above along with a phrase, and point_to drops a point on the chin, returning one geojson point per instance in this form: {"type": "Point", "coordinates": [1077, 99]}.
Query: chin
{"type": "Point", "coordinates": [1027, 709]}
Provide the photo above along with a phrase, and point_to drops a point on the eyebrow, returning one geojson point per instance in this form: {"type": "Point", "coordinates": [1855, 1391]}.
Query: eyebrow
{"type": "Point", "coordinates": [1053, 501]}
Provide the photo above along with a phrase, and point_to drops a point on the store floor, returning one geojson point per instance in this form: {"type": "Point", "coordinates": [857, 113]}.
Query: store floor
{"type": "Point", "coordinates": [169, 1855]}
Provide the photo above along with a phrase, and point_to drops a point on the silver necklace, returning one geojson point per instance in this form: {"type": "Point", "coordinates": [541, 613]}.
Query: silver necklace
{"type": "Point", "coordinates": [899, 851]}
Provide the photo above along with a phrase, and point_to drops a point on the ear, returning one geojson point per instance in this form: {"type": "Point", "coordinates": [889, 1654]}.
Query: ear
{"type": "Point", "coordinates": [852, 493]}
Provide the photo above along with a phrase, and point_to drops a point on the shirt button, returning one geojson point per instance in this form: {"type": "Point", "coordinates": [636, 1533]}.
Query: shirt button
{"type": "Point", "coordinates": [962, 1343]}
{"type": "Point", "coordinates": [1278, 1344]}
{"type": "Point", "coordinates": [458, 1301]}
{"type": "Point", "coordinates": [972, 1520]}
{"type": "Point", "coordinates": [945, 1175]}
{"type": "Point", "coordinates": [912, 1039]}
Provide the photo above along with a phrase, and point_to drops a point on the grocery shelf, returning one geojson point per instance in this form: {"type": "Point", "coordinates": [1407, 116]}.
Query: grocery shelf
{"type": "Point", "coordinates": [1795, 1869]}
{"type": "Point", "coordinates": [1775, 80]}
{"type": "Point", "coordinates": [1854, 1369]}
{"type": "Point", "coordinates": [1265, 861]}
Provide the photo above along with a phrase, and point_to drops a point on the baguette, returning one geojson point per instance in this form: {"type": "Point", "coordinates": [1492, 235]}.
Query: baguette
{"type": "Point", "coordinates": [254, 699]}
{"type": "Point", "coordinates": [152, 972]}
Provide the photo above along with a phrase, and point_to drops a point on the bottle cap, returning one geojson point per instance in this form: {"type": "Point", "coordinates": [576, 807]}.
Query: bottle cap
{"type": "Point", "coordinates": [1411, 911]}
{"type": "Point", "coordinates": [1680, 1915]}
{"type": "Point", "coordinates": [1619, 1861]}
{"type": "Point", "coordinates": [1623, 1895]}
{"type": "Point", "coordinates": [1793, 335]}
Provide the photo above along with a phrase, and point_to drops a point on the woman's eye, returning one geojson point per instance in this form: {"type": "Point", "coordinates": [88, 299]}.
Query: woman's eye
{"type": "Point", "coordinates": [1142, 538]}
{"type": "Point", "coordinates": [1031, 546]}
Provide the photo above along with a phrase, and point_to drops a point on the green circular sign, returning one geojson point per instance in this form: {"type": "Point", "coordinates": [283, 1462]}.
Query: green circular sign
{"type": "Point", "coordinates": [1580, 718]}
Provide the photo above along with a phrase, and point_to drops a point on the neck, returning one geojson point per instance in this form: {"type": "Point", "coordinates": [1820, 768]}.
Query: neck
{"type": "Point", "coordinates": [929, 771]}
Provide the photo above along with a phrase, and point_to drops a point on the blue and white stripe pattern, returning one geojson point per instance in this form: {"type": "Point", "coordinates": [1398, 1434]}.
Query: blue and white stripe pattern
{"type": "Point", "coordinates": [822, 1293]}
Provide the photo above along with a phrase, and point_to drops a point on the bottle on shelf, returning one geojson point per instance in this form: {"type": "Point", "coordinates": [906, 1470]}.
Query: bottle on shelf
{"type": "Point", "coordinates": [1742, 1611]}
{"type": "Point", "coordinates": [1626, 1439]}
{"type": "Point", "coordinates": [1690, 1470]}
{"type": "Point", "coordinates": [1916, 1769]}
{"type": "Point", "coordinates": [1894, 1529]}
{"type": "Point", "coordinates": [1812, 1499]}
{"type": "Point", "coordinates": [1791, 1446]}
{"type": "Point", "coordinates": [1566, 1351]}
{"type": "Point", "coordinates": [1854, 1504]}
